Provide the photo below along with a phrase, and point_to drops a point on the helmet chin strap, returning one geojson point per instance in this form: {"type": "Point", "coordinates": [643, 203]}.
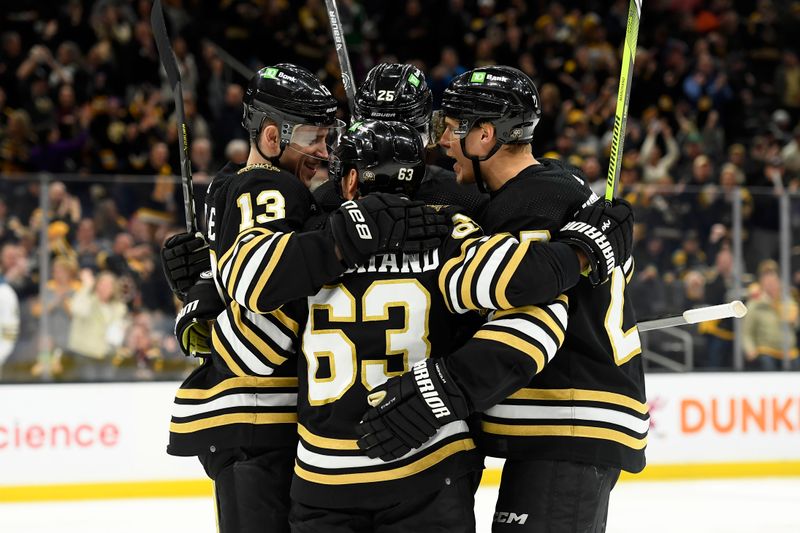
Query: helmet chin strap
{"type": "Point", "coordinates": [476, 167]}
{"type": "Point", "coordinates": [255, 139]}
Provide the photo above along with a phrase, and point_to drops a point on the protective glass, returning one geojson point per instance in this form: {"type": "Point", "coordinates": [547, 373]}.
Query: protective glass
{"type": "Point", "coordinates": [313, 141]}
{"type": "Point", "coordinates": [438, 127]}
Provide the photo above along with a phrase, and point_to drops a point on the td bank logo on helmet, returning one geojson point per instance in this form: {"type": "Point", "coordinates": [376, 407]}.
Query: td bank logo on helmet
{"type": "Point", "coordinates": [482, 77]}
{"type": "Point", "coordinates": [273, 73]}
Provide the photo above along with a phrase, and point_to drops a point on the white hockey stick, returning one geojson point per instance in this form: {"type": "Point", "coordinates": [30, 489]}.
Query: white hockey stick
{"type": "Point", "coordinates": [734, 309]}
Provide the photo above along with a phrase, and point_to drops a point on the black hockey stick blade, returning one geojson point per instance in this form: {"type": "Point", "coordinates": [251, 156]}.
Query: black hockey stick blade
{"type": "Point", "coordinates": [167, 57]}
{"type": "Point", "coordinates": [341, 53]}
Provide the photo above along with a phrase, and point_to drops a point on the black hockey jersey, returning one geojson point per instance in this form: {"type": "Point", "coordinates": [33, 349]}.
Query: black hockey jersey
{"type": "Point", "coordinates": [438, 187]}
{"type": "Point", "coordinates": [588, 404]}
{"type": "Point", "coordinates": [375, 322]}
{"type": "Point", "coordinates": [245, 393]}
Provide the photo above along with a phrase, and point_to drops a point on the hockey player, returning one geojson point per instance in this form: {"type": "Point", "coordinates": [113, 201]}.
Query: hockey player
{"type": "Point", "coordinates": [568, 432]}
{"type": "Point", "coordinates": [384, 318]}
{"type": "Point", "coordinates": [400, 92]}
{"type": "Point", "coordinates": [237, 411]}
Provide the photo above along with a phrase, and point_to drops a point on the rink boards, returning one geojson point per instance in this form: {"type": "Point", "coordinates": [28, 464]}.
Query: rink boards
{"type": "Point", "coordinates": [81, 441]}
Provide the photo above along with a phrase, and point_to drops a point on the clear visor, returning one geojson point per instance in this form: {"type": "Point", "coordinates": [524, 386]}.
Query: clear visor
{"type": "Point", "coordinates": [439, 126]}
{"type": "Point", "coordinates": [307, 136]}
{"type": "Point", "coordinates": [306, 154]}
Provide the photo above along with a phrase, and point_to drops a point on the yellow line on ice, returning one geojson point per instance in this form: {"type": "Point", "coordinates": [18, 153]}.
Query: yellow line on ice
{"type": "Point", "coordinates": [193, 488]}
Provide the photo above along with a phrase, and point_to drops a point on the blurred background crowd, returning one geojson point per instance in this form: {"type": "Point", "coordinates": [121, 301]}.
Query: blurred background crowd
{"type": "Point", "coordinates": [88, 151]}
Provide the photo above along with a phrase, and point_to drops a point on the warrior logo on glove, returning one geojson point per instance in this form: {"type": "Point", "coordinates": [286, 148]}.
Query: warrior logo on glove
{"type": "Point", "coordinates": [597, 236]}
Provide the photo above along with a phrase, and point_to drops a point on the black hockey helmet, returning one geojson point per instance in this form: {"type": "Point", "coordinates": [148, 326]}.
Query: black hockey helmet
{"type": "Point", "coordinates": [291, 96]}
{"type": "Point", "coordinates": [389, 157]}
{"type": "Point", "coordinates": [502, 95]}
{"type": "Point", "coordinates": [398, 92]}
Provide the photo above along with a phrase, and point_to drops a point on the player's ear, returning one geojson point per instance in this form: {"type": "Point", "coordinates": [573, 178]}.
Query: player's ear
{"type": "Point", "coordinates": [488, 133]}
{"type": "Point", "coordinates": [270, 140]}
{"type": "Point", "coordinates": [350, 185]}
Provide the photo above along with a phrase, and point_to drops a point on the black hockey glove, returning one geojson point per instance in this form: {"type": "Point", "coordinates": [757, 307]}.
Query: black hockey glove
{"type": "Point", "coordinates": [184, 257]}
{"type": "Point", "coordinates": [385, 223]}
{"type": "Point", "coordinates": [407, 410]}
{"type": "Point", "coordinates": [192, 328]}
{"type": "Point", "coordinates": [605, 234]}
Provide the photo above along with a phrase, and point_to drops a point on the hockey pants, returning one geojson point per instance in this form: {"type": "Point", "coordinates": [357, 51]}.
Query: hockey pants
{"type": "Point", "coordinates": [553, 497]}
{"type": "Point", "coordinates": [251, 488]}
{"type": "Point", "coordinates": [449, 510]}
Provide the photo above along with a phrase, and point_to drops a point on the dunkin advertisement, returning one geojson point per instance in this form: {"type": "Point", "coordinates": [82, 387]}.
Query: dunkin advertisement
{"type": "Point", "coordinates": [722, 418]}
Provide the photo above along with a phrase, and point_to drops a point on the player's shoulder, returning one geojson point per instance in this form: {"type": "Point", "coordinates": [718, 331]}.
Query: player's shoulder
{"type": "Point", "coordinates": [552, 171]}
{"type": "Point", "coordinates": [222, 179]}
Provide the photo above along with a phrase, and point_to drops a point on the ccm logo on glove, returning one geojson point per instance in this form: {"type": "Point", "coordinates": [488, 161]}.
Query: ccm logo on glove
{"type": "Point", "coordinates": [597, 236]}
{"type": "Point", "coordinates": [358, 217]}
{"type": "Point", "coordinates": [428, 391]}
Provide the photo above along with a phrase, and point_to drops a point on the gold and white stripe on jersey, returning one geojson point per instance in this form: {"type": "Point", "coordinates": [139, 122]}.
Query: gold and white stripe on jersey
{"type": "Point", "coordinates": [478, 278]}
{"type": "Point", "coordinates": [253, 344]}
{"type": "Point", "coordinates": [240, 400]}
{"type": "Point", "coordinates": [247, 266]}
{"type": "Point", "coordinates": [339, 461]}
{"type": "Point", "coordinates": [537, 331]}
{"type": "Point", "coordinates": [579, 413]}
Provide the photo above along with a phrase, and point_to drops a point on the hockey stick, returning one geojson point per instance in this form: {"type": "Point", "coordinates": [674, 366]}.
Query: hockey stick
{"type": "Point", "coordinates": [734, 309]}
{"type": "Point", "coordinates": [623, 96]}
{"type": "Point", "coordinates": [341, 53]}
{"type": "Point", "coordinates": [167, 57]}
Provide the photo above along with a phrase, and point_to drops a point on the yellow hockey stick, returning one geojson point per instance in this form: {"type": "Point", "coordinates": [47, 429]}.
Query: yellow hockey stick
{"type": "Point", "coordinates": [623, 96]}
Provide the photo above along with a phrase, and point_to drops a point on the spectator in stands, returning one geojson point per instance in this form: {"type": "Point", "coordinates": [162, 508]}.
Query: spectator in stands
{"type": "Point", "coordinates": [9, 225]}
{"type": "Point", "coordinates": [56, 302]}
{"type": "Point", "coordinates": [719, 333]}
{"type": "Point", "coordinates": [16, 269]}
{"type": "Point", "coordinates": [790, 153]}
{"type": "Point", "coordinates": [98, 326]}
{"type": "Point", "coordinates": [10, 60]}
{"type": "Point", "coordinates": [764, 238]}
{"type": "Point", "coordinates": [236, 151]}
{"type": "Point", "coordinates": [655, 165]}
{"type": "Point", "coordinates": [195, 123]}
{"type": "Point", "coordinates": [689, 255]}
{"type": "Point", "coordinates": [448, 68]}
{"type": "Point", "coordinates": [9, 320]}
{"type": "Point", "coordinates": [770, 324]}
{"type": "Point", "coordinates": [86, 245]}
{"type": "Point", "coordinates": [15, 147]}
{"type": "Point", "coordinates": [228, 125]}
{"type": "Point", "coordinates": [139, 357]}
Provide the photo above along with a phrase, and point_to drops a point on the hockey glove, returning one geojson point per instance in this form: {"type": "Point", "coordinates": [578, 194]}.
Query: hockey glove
{"type": "Point", "coordinates": [408, 410]}
{"type": "Point", "coordinates": [184, 257]}
{"type": "Point", "coordinates": [385, 223]}
{"type": "Point", "coordinates": [192, 328]}
{"type": "Point", "coordinates": [605, 234]}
